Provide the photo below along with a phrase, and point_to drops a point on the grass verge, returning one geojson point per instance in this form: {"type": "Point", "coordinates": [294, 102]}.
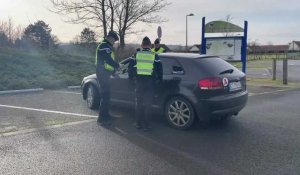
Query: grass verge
{"type": "Point", "coordinates": [20, 69]}
{"type": "Point", "coordinates": [271, 83]}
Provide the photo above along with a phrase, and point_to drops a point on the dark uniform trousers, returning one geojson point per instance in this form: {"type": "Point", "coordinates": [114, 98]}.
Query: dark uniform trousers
{"type": "Point", "coordinates": [144, 97]}
{"type": "Point", "coordinates": [103, 80]}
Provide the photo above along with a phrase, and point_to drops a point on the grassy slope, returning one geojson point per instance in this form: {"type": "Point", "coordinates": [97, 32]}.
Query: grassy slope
{"type": "Point", "coordinates": [30, 69]}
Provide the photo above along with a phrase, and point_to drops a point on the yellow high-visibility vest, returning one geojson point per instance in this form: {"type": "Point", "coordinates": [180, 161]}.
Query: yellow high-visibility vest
{"type": "Point", "coordinates": [144, 62]}
{"type": "Point", "coordinates": [106, 66]}
{"type": "Point", "coordinates": [160, 50]}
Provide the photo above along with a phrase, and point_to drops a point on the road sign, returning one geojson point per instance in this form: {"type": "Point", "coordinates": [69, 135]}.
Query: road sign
{"type": "Point", "coordinates": [159, 32]}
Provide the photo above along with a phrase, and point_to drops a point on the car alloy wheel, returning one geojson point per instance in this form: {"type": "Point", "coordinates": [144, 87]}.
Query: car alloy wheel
{"type": "Point", "coordinates": [92, 97]}
{"type": "Point", "coordinates": [180, 113]}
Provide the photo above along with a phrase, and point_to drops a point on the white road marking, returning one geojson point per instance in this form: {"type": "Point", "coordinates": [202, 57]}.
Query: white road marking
{"type": "Point", "coordinates": [48, 111]}
{"type": "Point", "coordinates": [251, 94]}
{"type": "Point", "coordinates": [21, 91]}
{"type": "Point", "coordinates": [74, 87]}
{"type": "Point", "coordinates": [67, 92]}
{"type": "Point", "coordinates": [117, 116]}
{"type": "Point", "coordinates": [44, 128]}
{"type": "Point", "coordinates": [121, 131]}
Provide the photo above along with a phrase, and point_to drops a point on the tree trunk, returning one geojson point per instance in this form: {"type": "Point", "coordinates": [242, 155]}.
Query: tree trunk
{"type": "Point", "coordinates": [123, 29]}
{"type": "Point", "coordinates": [112, 15]}
{"type": "Point", "coordinates": [104, 18]}
{"type": "Point", "coordinates": [122, 39]}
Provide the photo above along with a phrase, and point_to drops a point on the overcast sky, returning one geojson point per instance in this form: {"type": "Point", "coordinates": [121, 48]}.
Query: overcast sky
{"type": "Point", "coordinates": [270, 21]}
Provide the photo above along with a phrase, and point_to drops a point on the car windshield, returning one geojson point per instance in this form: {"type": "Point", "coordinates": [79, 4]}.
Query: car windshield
{"type": "Point", "coordinates": [149, 87]}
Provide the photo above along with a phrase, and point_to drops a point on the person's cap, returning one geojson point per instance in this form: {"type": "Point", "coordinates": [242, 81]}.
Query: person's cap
{"type": "Point", "coordinates": [113, 34]}
{"type": "Point", "coordinates": [157, 41]}
{"type": "Point", "coordinates": [146, 41]}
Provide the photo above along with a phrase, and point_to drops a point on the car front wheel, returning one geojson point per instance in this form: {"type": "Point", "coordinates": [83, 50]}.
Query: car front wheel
{"type": "Point", "coordinates": [92, 97]}
{"type": "Point", "coordinates": [179, 113]}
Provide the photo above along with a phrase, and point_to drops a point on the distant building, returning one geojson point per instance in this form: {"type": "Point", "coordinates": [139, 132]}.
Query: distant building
{"type": "Point", "coordinates": [294, 46]}
{"type": "Point", "coordinates": [268, 49]}
{"type": "Point", "coordinates": [176, 48]}
{"type": "Point", "coordinates": [195, 48]}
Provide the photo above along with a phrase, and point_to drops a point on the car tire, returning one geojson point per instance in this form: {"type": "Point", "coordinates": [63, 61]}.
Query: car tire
{"type": "Point", "coordinates": [179, 113]}
{"type": "Point", "coordinates": [92, 97]}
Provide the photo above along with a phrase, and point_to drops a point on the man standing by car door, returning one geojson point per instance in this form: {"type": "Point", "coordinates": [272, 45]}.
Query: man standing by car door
{"type": "Point", "coordinates": [157, 47]}
{"type": "Point", "coordinates": [106, 65]}
{"type": "Point", "coordinates": [146, 69]}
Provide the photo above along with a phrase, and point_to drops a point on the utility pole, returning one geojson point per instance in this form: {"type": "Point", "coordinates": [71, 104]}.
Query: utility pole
{"type": "Point", "coordinates": [186, 31]}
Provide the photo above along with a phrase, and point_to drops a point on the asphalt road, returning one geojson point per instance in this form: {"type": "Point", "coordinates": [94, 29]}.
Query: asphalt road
{"type": "Point", "coordinates": [263, 139]}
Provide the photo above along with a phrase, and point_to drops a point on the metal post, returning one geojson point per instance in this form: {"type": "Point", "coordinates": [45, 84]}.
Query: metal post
{"type": "Point", "coordinates": [274, 69]}
{"type": "Point", "coordinates": [203, 42]}
{"type": "Point", "coordinates": [285, 71]}
{"type": "Point", "coordinates": [186, 31]}
{"type": "Point", "coordinates": [244, 47]}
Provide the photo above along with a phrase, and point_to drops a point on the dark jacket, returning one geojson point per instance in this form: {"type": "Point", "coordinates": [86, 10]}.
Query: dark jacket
{"type": "Point", "coordinates": [157, 68]}
{"type": "Point", "coordinates": [104, 51]}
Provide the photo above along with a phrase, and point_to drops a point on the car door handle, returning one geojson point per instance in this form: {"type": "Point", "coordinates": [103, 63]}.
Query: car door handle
{"type": "Point", "coordinates": [177, 72]}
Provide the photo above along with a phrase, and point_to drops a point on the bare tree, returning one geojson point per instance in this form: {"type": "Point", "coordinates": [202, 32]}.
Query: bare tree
{"type": "Point", "coordinates": [254, 48]}
{"type": "Point", "coordinates": [122, 14]}
{"type": "Point", "coordinates": [10, 28]}
{"type": "Point", "coordinates": [4, 28]}
{"type": "Point", "coordinates": [17, 33]}
{"type": "Point", "coordinates": [88, 12]}
{"type": "Point", "coordinates": [11, 31]}
{"type": "Point", "coordinates": [131, 12]}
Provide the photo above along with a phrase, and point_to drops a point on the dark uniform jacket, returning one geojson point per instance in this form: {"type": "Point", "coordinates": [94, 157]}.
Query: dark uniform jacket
{"type": "Point", "coordinates": [104, 55]}
{"type": "Point", "coordinates": [157, 69]}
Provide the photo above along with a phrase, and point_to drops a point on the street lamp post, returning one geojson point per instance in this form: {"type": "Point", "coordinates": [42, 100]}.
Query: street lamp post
{"type": "Point", "coordinates": [186, 31]}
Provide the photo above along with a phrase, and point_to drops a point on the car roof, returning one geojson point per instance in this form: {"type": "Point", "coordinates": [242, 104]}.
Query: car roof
{"type": "Point", "coordinates": [183, 55]}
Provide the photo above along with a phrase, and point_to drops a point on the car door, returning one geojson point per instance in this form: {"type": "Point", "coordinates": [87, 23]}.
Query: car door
{"type": "Point", "coordinates": [172, 75]}
{"type": "Point", "coordinates": [122, 89]}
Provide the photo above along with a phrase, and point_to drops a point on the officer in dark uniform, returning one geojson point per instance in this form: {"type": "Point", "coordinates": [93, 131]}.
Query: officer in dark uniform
{"type": "Point", "coordinates": [157, 47]}
{"type": "Point", "coordinates": [146, 69]}
{"type": "Point", "coordinates": [106, 65]}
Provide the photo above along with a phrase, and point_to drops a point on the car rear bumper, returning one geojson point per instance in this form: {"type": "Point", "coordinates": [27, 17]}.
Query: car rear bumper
{"type": "Point", "coordinates": [222, 105]}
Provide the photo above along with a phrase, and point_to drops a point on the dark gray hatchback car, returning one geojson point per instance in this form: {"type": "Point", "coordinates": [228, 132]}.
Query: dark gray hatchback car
{"type": "Point", "coordinates": [194, 86]}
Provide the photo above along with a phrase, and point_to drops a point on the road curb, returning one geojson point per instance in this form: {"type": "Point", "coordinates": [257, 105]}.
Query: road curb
{"type": "Point", "coordinates": [74, 87]}
{"type": "Point", "coordinates": [20, 91]}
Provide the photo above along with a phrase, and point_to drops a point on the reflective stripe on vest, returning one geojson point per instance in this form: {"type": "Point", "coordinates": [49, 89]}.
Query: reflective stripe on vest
{"type": "Point", "coordinates": [106, 66]}
{"type": "Point", "coordinates": [144, 62]}
{"type": "Point", "coordinates": [160, 50]}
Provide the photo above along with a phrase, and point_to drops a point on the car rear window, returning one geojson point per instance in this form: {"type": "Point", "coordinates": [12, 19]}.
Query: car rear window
{"type": "Point", "coordinates": [214, 65]}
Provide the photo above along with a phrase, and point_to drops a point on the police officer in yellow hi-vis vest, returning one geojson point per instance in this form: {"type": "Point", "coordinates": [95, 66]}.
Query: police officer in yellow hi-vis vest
{"type": "Point", "coordinates": [106, 65]}
{"type": "Point", "coordinates": [146, 69]}
{"type": "Point", "coordinates": [157, 47]}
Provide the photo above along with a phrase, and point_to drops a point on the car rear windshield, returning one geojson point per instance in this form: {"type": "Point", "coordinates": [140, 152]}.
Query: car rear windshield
{"type": "Point", "coordinates": [214, 65]}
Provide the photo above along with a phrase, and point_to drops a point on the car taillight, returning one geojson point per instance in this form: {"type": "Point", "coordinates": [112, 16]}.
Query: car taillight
{"type": "Point", "coordinates": [210, 83]}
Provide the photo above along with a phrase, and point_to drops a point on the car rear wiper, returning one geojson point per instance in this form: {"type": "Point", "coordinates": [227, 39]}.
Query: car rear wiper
{"type": "Point", "coordinates": [228, 71]}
